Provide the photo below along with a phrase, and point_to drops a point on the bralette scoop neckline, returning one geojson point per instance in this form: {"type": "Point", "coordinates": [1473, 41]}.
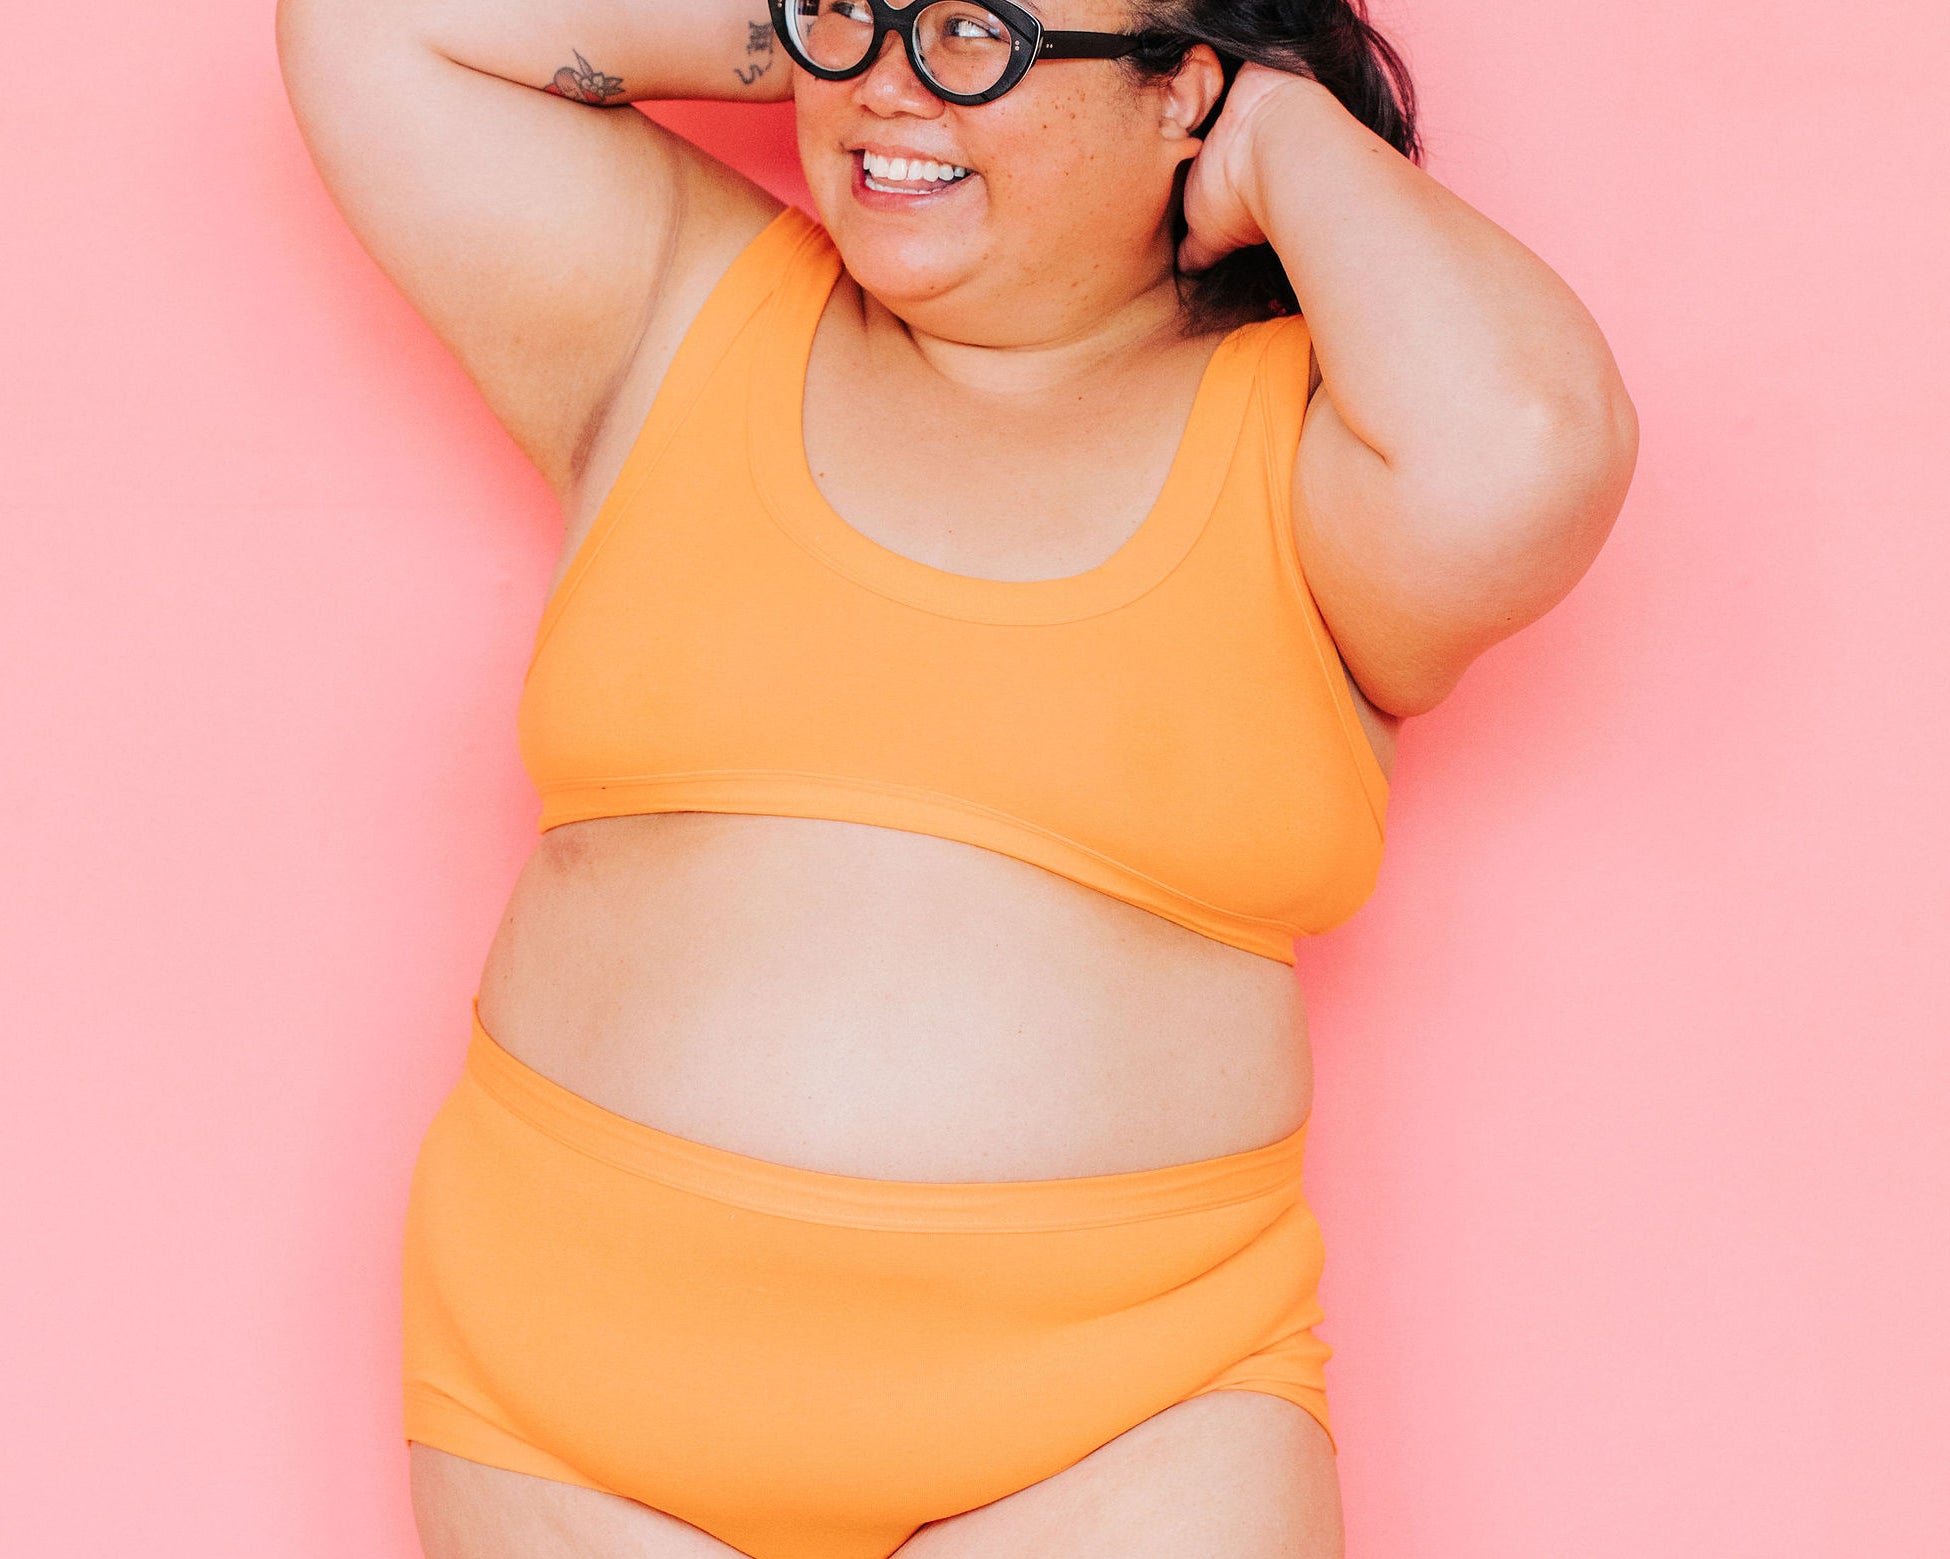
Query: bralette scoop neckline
{"type": "Point", "coordinates": [791, 494]}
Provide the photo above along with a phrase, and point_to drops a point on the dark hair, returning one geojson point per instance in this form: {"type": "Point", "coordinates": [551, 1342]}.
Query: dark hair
{"type": "Point", "coordinates": [1329, 40]}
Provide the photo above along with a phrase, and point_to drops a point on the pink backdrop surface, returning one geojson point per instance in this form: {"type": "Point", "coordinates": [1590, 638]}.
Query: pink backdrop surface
{"type": "Point", "coordinates": [1631, 1142]}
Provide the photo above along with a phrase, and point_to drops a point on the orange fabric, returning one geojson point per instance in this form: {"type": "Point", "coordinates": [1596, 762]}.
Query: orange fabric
{"type": "Point", "coordinates": [810, 1365]}
{"type": "Point", "coordinates": [1171, 727]}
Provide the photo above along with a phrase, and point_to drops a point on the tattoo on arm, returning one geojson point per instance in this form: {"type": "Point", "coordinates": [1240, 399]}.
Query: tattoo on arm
{"type": "Point", "coordinates": [758, 49]}
{"type": "Point", "coordinates": [583, 83]}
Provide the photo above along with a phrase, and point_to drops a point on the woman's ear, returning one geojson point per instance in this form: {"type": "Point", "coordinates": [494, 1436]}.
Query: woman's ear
{"type": "Point", "coordinates": [1189, 96]}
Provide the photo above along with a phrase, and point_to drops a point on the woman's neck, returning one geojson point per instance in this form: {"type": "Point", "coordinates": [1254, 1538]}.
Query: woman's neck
{"type": "Point", "coordinates": [1080, 350]}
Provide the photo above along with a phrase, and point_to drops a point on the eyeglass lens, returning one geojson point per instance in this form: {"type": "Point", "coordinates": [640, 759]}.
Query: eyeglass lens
{"type": "Point", "coordinates": [963, 48]}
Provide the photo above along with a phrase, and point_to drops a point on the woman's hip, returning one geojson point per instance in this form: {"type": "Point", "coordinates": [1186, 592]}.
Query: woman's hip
{"type": "Point", "coordinates": [760, 1348]}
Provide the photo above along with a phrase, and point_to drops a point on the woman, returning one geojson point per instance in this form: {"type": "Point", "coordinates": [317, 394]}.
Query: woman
{"type": "Point", "coordinates": [983, 622]}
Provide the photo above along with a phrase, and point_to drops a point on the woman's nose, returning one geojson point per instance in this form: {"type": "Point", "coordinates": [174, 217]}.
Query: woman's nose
{"type": "Point", "coordinates": [889, 86]}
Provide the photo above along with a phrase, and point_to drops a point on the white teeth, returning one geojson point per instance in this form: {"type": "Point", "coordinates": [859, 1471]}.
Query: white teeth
{"type": "Point", "coordinates": [901, 170]}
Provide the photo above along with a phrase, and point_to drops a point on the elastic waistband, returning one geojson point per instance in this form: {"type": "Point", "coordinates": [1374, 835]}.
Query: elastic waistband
{"type": "Point", "coordinates": [1268, 1173]}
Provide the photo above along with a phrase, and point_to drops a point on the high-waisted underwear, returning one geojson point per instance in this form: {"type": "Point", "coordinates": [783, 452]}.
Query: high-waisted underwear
{"type": "Point", "coordinates": [811, 1365]}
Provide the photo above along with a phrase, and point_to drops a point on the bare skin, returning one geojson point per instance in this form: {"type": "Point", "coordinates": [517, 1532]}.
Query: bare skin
{"type": "Point", "coordinates": [873, 1002]}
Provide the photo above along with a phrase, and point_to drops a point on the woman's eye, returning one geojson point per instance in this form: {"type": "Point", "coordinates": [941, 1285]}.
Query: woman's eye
{"type": "Point", "coordinates": [968, 27]}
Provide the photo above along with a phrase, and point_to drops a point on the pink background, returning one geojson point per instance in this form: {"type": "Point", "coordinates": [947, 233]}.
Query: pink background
{"type": "Point", "coordinates": [1631, 1142]}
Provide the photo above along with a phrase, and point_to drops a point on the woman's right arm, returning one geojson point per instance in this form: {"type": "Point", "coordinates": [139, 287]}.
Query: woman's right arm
{"type": "Point", "coordinates": [539, 232]}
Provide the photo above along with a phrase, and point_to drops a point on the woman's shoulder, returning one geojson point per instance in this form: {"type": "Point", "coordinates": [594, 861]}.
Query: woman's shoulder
{"type": "Point", "coordinates": [733, 250]}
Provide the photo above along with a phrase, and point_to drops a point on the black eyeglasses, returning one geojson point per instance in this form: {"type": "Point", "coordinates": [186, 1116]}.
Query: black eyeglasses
{"type": "Point", "coordinates": [963, 53]}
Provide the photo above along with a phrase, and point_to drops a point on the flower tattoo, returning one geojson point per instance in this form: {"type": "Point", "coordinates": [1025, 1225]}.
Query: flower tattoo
{"type": "Point", "coordinates": [583, 83]}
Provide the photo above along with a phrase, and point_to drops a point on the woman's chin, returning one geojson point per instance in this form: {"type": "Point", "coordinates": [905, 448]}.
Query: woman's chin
{"type": "Point", "coordinates": [905, 270]}
{"type": "Point", "coordinates": [905, 249]}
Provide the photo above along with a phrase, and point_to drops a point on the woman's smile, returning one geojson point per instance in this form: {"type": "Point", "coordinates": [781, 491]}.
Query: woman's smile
{"type": "Point", "coordinates": [902, 178]}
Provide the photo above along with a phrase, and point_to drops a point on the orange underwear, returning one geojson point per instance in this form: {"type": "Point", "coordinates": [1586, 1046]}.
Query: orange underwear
{"type": "Point", "coordinates": [810, 1365]}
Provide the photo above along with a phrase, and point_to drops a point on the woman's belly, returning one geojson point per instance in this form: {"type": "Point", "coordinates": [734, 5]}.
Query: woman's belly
{"type": "Point", "coordinates": [872, 1002]}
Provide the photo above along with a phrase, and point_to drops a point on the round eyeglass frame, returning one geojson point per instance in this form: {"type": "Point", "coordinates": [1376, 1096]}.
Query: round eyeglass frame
{"type": "Point", "coordinates": [1029, 39]}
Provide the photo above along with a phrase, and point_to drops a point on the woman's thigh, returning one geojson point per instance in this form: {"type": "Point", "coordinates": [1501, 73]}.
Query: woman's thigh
{"type": "Point", "coordinates": [1239, 1473]}
{"type": "Point", "coordinates": [465, 1510]}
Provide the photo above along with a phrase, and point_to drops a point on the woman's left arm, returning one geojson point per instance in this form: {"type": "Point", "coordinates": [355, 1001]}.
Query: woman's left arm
{"type": "Point", "coordinates": [1470, 443]}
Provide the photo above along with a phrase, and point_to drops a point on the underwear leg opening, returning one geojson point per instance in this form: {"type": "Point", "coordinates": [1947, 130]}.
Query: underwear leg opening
{"type": "Point", "coordinates": [442, 1424]}
{"type": "Point", "coordinates": [1313, 1403]}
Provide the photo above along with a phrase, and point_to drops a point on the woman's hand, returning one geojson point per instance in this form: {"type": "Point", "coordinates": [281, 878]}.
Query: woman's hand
{"type": "Point", "coordinates": [1221, 195]}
